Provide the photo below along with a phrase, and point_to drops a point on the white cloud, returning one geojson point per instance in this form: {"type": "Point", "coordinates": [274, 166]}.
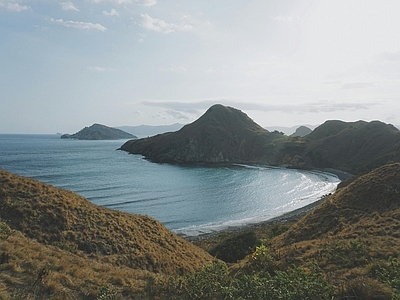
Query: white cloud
{"type": "Point", "coordinates": [79, 25]}
{"type": "Point", "coordinates": [113, 1]}
{"type": "Point", "coordinates": [101, 69]}
{"type": "Point", "coordinates": [172, 68]}
{"type": "Point", "coordinates": [357, 85]}
{"type": "Point", "coordinates": [300, 108]}
{"type": "Point", "coordinates": [112, 12]}
{"type": "Point", "coordinates": [149, 3]}
{"type": "Point", "coordinates": [282, 18]}
{"type": "Point", "coordinates": [388, 57]}
{"type": "Point", "coordinates": [14, 6]}
{"type": "Point", "coordinates": [69, 6]}
{"type": "Point", "coordinates": [146, 3]}
{"type": "Point", "coordinates": [158, 25]}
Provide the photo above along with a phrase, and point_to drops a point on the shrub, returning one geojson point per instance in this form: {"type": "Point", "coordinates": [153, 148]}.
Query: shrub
{"type": "Point", "coordinates": [265, 259]}
{"type": "Point", "coordinates": [389, 273]}
{"type": "Point", "coordinates": [365, 288]}
{"type": "Point", "coordinates": [106, 293]}
{"type": "Point", "coordinates": [207, 283]}
{"type": "Point", "coordinates": [236, 247]}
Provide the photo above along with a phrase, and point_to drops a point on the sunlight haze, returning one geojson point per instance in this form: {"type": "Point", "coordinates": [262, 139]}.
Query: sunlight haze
{"type": "Point", "coordinates": [68, 64]}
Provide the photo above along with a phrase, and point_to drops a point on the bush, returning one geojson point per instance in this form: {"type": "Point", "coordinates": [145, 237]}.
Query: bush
{"type": "Point", "coordinates": [214, 282]}
{"type": "Point", "coordinates": [265, 259]}
{"type": "Point", "coordinates": [207, 283]}
{"type": "Point", "coordinates": [365, 288]}
{"type": "Point", "coordinates": [236, 247]}
{"type": "Point", "coordinates": [388, 273]}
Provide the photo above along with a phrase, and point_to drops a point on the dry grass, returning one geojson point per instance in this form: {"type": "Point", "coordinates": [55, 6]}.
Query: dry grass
{"type": "Point", "coordinates": [79, 246]}
{"type": "Point", "coordinates": [54, 243]}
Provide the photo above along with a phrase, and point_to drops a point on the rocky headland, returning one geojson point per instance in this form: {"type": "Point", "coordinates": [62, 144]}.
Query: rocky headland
{"type": "Point", "coordinates": [227, 135]}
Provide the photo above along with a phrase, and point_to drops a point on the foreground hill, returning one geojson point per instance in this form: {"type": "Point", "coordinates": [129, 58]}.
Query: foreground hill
{"type": "Point", "coordinates": [67, 221]}
{"type": "Point", "coordinates": [222, 135]}
{"type": "Point", "coordinates": [227, 135]}
{"type": "Point", "coordinates": [99, 132]}
{"type": "Point", "coordinates": [346, 248]}
{"type": "Point", "coordinates": [369, 206]}
{"type": "Point", "coordinates": [54, 244]}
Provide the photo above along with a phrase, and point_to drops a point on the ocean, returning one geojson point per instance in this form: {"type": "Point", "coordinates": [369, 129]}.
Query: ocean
{"type": "Point", "coordinates": [188, 200]}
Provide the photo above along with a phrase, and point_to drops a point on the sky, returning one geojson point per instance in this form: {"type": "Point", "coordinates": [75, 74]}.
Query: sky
{"type": "Point", "coordinates": [68, 64]}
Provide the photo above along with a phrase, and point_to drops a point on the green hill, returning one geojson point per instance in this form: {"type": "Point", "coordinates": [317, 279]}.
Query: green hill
{"type": "Point", "coordinates": [227, 135]}
{"type": "Point", "coordinates": [222, 135]}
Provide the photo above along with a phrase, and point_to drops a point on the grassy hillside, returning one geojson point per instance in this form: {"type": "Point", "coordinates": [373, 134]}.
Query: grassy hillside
{"type": "Point", "coordinates": [54, 244]}
{"type": "Point", "coordinates": [54, 220]}
{"type": "Point", "coordinates": [346, 248]}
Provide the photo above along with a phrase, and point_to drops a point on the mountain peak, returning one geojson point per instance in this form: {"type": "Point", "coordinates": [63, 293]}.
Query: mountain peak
{"type": "Point", "coordinates": [222, 134]}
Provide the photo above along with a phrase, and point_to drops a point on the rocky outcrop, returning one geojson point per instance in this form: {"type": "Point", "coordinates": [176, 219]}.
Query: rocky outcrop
{"type": "Point", "coordinates": [99, 132]}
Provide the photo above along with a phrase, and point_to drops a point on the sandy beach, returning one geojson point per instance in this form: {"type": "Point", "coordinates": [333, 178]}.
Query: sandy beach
{"type": "Point", "coordinates": [207, 240]}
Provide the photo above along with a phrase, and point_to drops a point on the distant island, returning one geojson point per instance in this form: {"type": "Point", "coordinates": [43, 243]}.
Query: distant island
{"type": "Point", "coordinates": [99, 132]}
{"type": "Point", "coordinates": [227, 135]}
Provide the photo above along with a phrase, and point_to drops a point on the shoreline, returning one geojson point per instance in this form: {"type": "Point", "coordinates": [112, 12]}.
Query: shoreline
{"type": "Point", "coordinates": [290, 216]}
{"type": "Point", "coordinates": [285, 218]}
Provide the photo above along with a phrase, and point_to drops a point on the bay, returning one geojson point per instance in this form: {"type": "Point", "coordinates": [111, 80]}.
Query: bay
{"type": "Point", "coordinates": [189, 200]}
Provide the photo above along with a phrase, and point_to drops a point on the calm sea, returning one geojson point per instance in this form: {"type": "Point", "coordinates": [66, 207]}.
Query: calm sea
{"type": "Point", "coordinates": [188, 200]}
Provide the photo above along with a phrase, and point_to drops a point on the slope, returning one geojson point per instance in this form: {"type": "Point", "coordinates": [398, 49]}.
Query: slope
{"type": "Point", "coordinates": [357, 147]}
{"type": "Point", "coordinates": [64, 219]}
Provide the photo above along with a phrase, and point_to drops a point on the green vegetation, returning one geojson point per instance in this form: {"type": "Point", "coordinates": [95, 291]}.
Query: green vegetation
{"type": "Point", "coordinates": [236, 248]}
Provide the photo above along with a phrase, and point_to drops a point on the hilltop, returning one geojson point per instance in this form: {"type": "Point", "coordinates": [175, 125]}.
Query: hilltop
{"type": "Point", "coordinates": [356, 147]}
{"type": "Point", "coordinates": [71, 228]}
{"type": "Point", "coordinates": [99, 132]}
{"type": "Point", "coordinates": [227, 135]}
{"type": "Point", "coordinates": [222, 135]}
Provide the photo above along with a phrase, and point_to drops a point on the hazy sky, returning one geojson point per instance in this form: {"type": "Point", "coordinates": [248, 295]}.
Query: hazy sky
{"type": "Point", "coordinates": [69, 64]}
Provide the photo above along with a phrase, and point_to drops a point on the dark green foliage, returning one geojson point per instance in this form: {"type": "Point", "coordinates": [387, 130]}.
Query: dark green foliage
{"type": "Point", "coordinates": [294, 283]}
{"type": "Point", "coordinates": [210, 282]}
{"type": "Point", "coordinates": [389, 273]}
{"type": "Point", "coordinates": [106, 293]}
{"type": "Point", "coordinates": [214, 282]}
{"type": "Point", "coordinates": [364, 288]}
{"type": "Point", "coordinates": [236, 247]}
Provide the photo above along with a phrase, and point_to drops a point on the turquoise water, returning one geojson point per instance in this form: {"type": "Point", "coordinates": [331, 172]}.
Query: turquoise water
{"type": "Point", "coordinates": [188, 200]}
